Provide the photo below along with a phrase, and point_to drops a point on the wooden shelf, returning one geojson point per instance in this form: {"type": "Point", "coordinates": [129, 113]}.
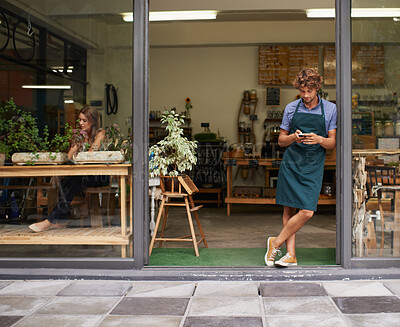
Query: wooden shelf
{"type": "Point", "coordinates": [66, 236]}
{"type": "Point", "coordinates": [260, 200]}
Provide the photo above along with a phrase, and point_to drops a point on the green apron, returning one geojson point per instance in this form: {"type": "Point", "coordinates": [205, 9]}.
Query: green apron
{"type": "Point", "coordinates": [302, 167]}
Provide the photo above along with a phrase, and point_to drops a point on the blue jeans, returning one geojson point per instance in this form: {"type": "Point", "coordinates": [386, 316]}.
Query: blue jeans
{"type": "Point", "coordinates": [69, 187]}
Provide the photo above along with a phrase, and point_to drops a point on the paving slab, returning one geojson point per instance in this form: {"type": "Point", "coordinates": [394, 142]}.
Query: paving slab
{"type": "Point", "coordinates": [375, 304]}
{"type": "Point", "coordinates": [306, 321]}
{"type": "Point", "coordinates": [96, 288]}
{"type": "Point", "coordinates": [151, 306]}
{"type": "Point", "coordinates": [19, 305]}
{"type": "Point", "coordinates": [299, 305]}
{"type": "Point", "coordinates": [34, 288]}
{"type": "Point", "coordinates": [79, 305]}
{"type": "Point", "coordinates": [226, 289]}
{"type": "Point", "coordinates": [225, 307]}
{"type": "Point", "coordinates": [60, 321]}
{"type": "Point", "coordinates": [141, 321]}
{"type": "Point", "coordinates": [356, 288]}
{"type": "Point", "coordinates": [4, 284]}
{"type": "Point", "coordinates": [7, 321]}
{"type": "Point", "coordinates": [162, 289]}
{"type": "Point", "coordinates": [381, 320]}
{"type": "Point", "coordinates": [393, 286]}
{"type": "Point", "coordinates": [223, 322]}
{"type": "Point", "coordinates": [291, 289]}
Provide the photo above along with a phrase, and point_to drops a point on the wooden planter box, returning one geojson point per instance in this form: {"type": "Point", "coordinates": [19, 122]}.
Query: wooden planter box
{"type": "Point", "coordinates": [92, 157]}
{"type": "Point", "coordinates": [39, 158]}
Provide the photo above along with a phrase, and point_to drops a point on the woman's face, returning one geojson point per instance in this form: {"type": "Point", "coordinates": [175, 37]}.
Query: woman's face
{"type": "Point", "coordinates": [84, 123]}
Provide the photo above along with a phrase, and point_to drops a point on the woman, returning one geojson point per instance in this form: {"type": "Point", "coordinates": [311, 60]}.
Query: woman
{"type": "Point", "coordinates": [89, 123]}
{"type": "Point", "coordinates": [308, 129]}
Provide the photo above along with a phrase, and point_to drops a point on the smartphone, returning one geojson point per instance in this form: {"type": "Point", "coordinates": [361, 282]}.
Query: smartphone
{"type": "Point", "coordinates": [301, 135]}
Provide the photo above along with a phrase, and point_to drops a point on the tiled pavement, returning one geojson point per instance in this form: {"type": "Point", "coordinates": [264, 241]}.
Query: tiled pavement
{"type": "Point", "coordinates": [202, 303]}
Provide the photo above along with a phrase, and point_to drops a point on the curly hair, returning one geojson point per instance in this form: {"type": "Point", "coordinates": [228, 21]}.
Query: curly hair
{"type": "Point", "coordinates": [308, 77]}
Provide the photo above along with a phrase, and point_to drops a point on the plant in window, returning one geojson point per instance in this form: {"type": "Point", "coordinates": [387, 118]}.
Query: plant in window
{"type": "Point", "coordinates": [20, 128]}
{"type": "Point", "coordinates": [115, 140]}
{"type": "Point", "coordinates": [175, 153]}
{"type": "Point", "coordinates": [21, 134]}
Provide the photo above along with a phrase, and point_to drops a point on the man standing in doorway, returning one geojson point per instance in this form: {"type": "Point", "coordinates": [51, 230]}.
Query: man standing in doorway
{"type": "Point", "coordinates": [308, 128]}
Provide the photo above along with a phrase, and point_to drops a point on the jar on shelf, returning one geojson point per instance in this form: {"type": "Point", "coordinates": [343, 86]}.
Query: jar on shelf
{"type": "Point", "coordinates": [246, 109]}
{"type": "Point", "coordinates": [378, 126]}
{"type": "Point", "coordinates": [253, 94]}
{"type": "Point", "coordinates": [248, 149]}
{"type": "Point", "coordinates": [248, 129]}
{"type": "Point", "coordinates": [246, 95]}
{"type": "Point", "coordinates": [242, 127]}
{"type": "Point", "coordinates": [389, 128]}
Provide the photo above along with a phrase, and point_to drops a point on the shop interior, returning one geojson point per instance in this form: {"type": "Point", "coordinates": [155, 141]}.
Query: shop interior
{"type": "Point", "coordinates": [231, 78]}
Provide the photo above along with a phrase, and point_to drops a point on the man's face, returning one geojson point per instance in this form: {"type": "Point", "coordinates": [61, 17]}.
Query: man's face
{"type": "Point", "coordinates": [308, 94]}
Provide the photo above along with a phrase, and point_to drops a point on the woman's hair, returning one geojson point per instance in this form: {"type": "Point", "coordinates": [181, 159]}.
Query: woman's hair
{"type": "Point", "coordinates": [94, 118]}
{"type": "Point", "coordinates": [308, 77]}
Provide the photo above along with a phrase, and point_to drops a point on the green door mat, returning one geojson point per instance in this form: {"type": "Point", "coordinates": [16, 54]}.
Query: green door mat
{"type": "Point", "coordinates": [236, 257]}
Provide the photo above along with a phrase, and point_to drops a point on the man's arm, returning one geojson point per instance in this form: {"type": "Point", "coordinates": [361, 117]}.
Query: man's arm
{"type": "Point", "coordinates": [285, 139]}
{"type": "Point", "coordinates": [326, 142]}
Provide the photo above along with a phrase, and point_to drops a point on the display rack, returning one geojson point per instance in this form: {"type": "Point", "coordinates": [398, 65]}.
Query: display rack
{"type": "Point", "coordinates": [247, 115]}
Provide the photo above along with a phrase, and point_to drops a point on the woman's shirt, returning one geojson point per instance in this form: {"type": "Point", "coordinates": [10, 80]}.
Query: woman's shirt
{"type": "Point", "coordinates": [329, 109]}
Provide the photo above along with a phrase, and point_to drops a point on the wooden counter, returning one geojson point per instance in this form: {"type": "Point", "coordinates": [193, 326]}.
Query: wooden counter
{"type": "Point", "coordinates": [93, 236]}
{"type": "Point", "coordinates": [268, 165]}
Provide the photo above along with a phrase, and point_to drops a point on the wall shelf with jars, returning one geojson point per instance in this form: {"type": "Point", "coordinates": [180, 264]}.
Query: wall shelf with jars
{"type": "Point", "coordinates": [246, 117]}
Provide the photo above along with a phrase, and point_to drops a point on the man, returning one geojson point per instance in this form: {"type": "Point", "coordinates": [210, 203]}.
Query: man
{"type": "Point", "coordinates": [308, 128]}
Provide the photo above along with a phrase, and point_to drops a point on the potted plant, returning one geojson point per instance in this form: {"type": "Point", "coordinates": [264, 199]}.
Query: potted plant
{"type": "Point", "coordinates": [174, 154]}
{"type": "Point", "coordinates": [21, 135]}
{"type": "Point", "coordinates": [112, 149]}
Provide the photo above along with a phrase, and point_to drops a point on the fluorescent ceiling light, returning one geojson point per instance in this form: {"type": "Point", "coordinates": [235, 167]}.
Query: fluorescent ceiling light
{"type": "Point", "coordinates": [53, 87]}
{"type": "Point", "coordinates": [355, 12]}
{"type": "Point", "coordinates": [157, 16]}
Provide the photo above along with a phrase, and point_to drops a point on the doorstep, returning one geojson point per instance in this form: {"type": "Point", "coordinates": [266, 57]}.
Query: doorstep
{"type": "Point", "coordinates": [304, 273]}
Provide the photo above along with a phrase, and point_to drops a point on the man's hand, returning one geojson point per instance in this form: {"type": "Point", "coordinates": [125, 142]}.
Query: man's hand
{"type": "Point", "coordinates": [312, 138]}
{"type": "Point", "coordinates": [298, 138]}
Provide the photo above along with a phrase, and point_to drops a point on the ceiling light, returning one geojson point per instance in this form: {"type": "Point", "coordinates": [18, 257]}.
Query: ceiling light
{"type": "Point", "coordinates": [157, 16]}
{"type": "Point", "coordinates": [68, 101]}
{"type": "Point", "coordinates": [53, 87]}
{"type": "Point", "coordinates": [355, 12]}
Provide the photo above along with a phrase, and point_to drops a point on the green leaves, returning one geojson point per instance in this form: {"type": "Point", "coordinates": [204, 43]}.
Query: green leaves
{"type": "Point", "coordinates": [21, 133]}
{"type": "Point", "coordinates": [175, 153]}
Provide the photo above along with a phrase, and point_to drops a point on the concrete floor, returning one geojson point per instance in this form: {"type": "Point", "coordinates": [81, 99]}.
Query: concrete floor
{"type": "Point", "coordinates": [248, 226]}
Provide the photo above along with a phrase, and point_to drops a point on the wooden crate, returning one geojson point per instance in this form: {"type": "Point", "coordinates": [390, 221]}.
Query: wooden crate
{"type": "Point", "coordinates": [247, 191]}
{"type": "Point", "coordinates": [269, 192]}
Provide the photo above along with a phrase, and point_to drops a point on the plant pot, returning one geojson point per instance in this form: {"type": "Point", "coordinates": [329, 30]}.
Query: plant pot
{"type": "Point", "coordinates": [39, 158]}
{"type": "Point", "coordinates": [93, 157]}
{"type": "Point", "coordinates": [2, 159]}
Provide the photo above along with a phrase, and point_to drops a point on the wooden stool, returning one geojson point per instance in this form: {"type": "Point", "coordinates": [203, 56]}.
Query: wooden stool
{"type": "Point", "coordinates": [181, 187]}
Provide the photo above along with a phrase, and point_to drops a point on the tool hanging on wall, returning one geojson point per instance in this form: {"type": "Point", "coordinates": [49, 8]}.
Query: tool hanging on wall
{"type": "Point", "coordinates": [111, 99]}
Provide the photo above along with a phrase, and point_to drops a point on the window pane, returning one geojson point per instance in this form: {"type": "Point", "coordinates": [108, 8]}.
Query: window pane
{"type": "Point", "coordinates": [376, 131]}
{"type": "Point", "coordinates": [52, 67]}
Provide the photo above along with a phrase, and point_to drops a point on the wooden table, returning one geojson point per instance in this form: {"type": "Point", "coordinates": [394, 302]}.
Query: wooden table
{"type": "Point", "coordinates": [268, 164]}
{"type": "Point", "coordinates": [359, 204]}
{"type": "Point", "coordinates": [93, 236]}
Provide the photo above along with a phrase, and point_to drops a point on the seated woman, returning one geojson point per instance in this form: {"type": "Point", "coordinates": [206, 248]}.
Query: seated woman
{"type": "Point", "coordinates": [89, 121]}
